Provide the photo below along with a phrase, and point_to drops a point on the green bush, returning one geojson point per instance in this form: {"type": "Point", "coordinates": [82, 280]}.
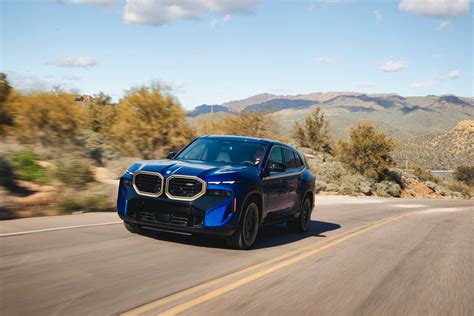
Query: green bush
{"type": "Point", "coordinates": [96, 203]}
{"type": "Point", "coordinates": [465, 174]}
{"type": "Point", "coordinates": [314, 133]}
{"type": "Point", "coordinates": [69, 205]}
{"type": "Point", "coordinates": [25, 167]}
{"type": "Point", "coordinates": [75, 173]}
{"type": "Point", "coordinates": [332, 175]}
{"type": "Point", "coordinates": [387, 189]}
{"type": "Point", "coordinates": [84, 202]}
{"type": "Point", "coordinates": [424, 174]}
{"type": "Point", "coordinates": [367, 151]}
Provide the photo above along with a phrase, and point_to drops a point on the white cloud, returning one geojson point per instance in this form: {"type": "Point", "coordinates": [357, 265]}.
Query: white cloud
{"type": "Point", "coordinates": [79, 61]}
{"type": "Point", "coordinates": [453, 74]}
{"type": "Point", "coordinates": [423, 84]}
{"type": "Point", "coordinates": [443, 25]}
{"type": "Point", "coordinates": [436, 56]}
{"type": "Point", "coordinates": [392, 66]}
{"type": "Point", "coordinates": [438, 8]}
{"type": "Point", "coordinates": [378, 16]}
{"type": "Point", "coordinates": [216, 22]}
{"type": "Point", "coordinates": [326, 60]}
{"type": "Point", "coordinates": [97, 2]}
{"type": "Point", "coordinates": [160, 12]}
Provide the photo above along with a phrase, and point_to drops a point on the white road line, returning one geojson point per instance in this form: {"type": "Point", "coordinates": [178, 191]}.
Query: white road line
{"type": "Point", "coordinates": [56, 228]}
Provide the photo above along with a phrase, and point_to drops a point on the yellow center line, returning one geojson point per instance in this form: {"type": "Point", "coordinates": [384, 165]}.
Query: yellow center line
{"type": "Point", "coordinates": [296, 256]}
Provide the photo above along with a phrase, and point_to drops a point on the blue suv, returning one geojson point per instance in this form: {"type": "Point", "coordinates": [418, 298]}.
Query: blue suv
{"type": "Point", "coordinates": [226, 186]}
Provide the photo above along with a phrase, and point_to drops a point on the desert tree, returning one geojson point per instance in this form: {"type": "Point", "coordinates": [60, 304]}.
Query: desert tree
{"type": "Point", "coordinates": [148, 122]}
{"type": "Point", "coordinates": [367, 150]}
{"type": "Point", "coordinates": [314, 133]}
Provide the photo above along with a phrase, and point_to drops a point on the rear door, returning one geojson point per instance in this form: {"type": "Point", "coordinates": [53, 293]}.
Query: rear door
{"type": "Point", "coordinates": [293, 177]}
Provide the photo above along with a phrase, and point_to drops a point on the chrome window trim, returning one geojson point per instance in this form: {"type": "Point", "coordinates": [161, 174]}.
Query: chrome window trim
{"type": "Point", "coordinates": [284, 174]}
{"type": "Point", "coordinates": [148, 193]}
{"type": "Point", "coordinates": [185, 198]}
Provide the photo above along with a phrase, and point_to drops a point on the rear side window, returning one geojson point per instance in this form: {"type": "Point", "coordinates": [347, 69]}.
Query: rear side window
{"type": "Point", "coordinates": [290, 160]}
{"type": "Point", "coordinates": [299, 161]}
{"type": "Point", "coordinates": [276, 155]}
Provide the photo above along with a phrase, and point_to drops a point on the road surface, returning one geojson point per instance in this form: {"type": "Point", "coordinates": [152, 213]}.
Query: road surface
{"type": "Point", "coordinates": [362, 256]}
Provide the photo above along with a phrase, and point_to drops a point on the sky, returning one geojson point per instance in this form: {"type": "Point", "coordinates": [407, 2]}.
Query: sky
{"type": "Point", "coordinates": [213, 51]}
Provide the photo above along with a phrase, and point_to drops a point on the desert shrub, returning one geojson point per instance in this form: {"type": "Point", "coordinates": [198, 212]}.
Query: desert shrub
{"type": "Point", "coordinates": [26, 168]}
{"type": "Point", "coordinates": [465, 174]}
{"type": "Point", "coordinates": [84, 202]}
{"type": "Point", "coordinates": [96, 203]}
{"type": "Point", "coordinates": [75, 173]}
{"type": "Point", "coordinates": [314, 133]}
{"type": "Point", "coordinates": [96, 146]}
{"type": "Point", "coordinates": [335, 176]}
{"type": "Point", "coordinates": [46, 117]}
{"type": "Point", "coordinates": [69, 205]}
{"type": "Point", "coordinates": [6, 173]}
{"type": "Point", "coordinates": [387, 189]}
{"type": "Point", "coordinates": [252, 124]}
{"type": "Point", "coordinates": [5, 90]}
{"type": "Point", "coordinates": [148, 122]}
{"type": "Point", "coordinates": [424, 174]}
{"type": "Point", "coordinates": [461, 188]}
{"type": "Point", "coordinates": [367, 151]}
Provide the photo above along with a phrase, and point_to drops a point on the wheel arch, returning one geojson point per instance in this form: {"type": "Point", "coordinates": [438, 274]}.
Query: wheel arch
{"type": "Point", "coordinates": [258, 197]}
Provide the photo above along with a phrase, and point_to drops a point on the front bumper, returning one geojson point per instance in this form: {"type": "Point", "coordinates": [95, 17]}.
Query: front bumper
{"type": "Point", "coordinates": [211, 215]}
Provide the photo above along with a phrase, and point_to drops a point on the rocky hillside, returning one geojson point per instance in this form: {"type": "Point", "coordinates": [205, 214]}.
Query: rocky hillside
{"type": "Point", "coordinates": [458, 143]}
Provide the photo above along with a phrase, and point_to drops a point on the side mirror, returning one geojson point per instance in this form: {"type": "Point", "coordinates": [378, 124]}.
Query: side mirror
{"type": "Point", "coordinates": [171, 155]}
{"type": "Point", "coordinates": [277, 167]}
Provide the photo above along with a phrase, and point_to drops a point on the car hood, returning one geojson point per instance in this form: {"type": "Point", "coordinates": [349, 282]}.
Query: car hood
{"type": "Point", "coordinates": [205, 170]}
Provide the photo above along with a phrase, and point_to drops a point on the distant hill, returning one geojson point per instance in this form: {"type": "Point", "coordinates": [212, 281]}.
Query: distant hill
{"type": "Point", "coordinates": [402, 117]}
{"type": "Point", "coordinates": [444, 151]}
{"type": "Point", "coordinates": [205, 108]}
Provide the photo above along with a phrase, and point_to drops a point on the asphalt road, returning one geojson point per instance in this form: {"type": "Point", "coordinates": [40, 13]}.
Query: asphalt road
{"type": "Point", "coordinates": [363, 256]}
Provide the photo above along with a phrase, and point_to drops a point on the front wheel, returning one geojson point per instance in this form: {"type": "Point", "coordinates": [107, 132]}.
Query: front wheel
{"type": "Point", "coordinates": [245, 235]}
{"type": "Point", "coordinates": [301, 224]}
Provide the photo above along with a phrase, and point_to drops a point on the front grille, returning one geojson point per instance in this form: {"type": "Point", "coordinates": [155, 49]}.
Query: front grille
{"type": "Point", "coordinates": [187, 188]}
{"type": "Point", "coordinates": [169, 218]}
{"type": "Point", "coordinates": [151, 183]}
{"type": "Point", "coordinates": [168, 212]}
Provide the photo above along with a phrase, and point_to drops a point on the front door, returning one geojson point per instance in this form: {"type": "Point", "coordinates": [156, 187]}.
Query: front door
{"type": "Point", "coordinates": [275, 184]}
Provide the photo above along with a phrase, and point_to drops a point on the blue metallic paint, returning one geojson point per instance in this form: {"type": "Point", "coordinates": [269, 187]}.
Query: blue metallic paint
{"type": "Point", "coordinates": [248, 180]}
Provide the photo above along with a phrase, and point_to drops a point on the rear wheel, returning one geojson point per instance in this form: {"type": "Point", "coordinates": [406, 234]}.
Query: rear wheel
{"type": "Point", "coordinates": [301, 224]}
{"type": "Point", "coordinates": [246, 233]}
{"type": "Point", "coordinates": [133, 228]}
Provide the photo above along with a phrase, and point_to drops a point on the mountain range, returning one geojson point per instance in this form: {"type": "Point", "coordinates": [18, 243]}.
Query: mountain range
{"type": "Point", "coordinates": [399, 116]}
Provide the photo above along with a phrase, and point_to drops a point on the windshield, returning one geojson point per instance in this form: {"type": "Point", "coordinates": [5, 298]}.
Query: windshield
{"type": "Point", "coordinates": [224, 151]}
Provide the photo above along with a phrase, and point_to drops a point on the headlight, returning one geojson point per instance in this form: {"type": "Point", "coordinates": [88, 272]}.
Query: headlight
{"type": "Point", "coordinates": [221, 182]}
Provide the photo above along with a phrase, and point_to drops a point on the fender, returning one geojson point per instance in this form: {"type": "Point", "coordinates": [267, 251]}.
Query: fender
{"type": "Point", "coordinates": [252, 191]}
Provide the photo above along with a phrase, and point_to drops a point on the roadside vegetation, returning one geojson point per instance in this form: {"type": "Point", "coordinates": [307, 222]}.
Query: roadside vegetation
{"type": "Point", "coordinates": [61, 152]}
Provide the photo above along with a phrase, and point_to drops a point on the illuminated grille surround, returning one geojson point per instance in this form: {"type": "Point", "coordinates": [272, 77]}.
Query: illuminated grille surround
{"type": "Point", "coordinates": [185, 198]}
{"type": "Point", "coordinates": [168, 194]}
{"type": "Point", "coordinates": [145, 193]}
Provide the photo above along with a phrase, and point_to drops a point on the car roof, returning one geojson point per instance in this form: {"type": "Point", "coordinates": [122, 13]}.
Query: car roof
{"type": "Point", "coordinates": [253, 139]}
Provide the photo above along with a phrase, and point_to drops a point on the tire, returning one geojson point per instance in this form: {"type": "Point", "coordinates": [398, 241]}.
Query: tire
{"type": "Point", "coordinates": [302, 223]}
{"type": "Point", "coordinates": [133, 228]}
{"type": "Point", "coordinates": [246, 233]}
